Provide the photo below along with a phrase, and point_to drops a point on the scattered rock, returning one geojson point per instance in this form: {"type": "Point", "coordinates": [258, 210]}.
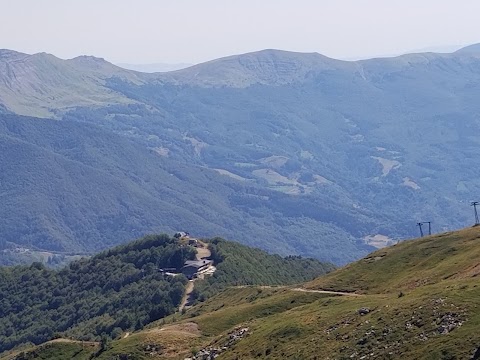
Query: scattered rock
{"type": "Point", "coordinates": [211, 352]}
{"type": "Point", "coordinates": [423, 337]}
{"type": "Point", "coordinates": [363, 311]}
{"type": "Point", "coordinates": [362, 341]}
{"type": "Point", "coordinates": [448, 322]}
{"type": "Point", "coordinates": [476, 354]}
{"type": "Point", "coordinates": [153, 349]}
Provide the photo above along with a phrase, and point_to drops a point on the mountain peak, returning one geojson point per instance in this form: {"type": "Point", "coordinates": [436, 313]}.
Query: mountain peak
{"type": "Point", "coordinates": [95, 64]}
{"type": "Point", "coordinates": [267, 67]}
{"type": "Point", "coordinates": [88, 59]}
{"type": "Point", "coordinates": [35, 84]}
{"type": "Point", "coordinates": [473, 49]}
{"type": "Point", "coordinates": [6, 54]}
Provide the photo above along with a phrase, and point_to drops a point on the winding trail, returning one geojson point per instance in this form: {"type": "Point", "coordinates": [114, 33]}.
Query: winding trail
{"type": "Point", "coordinates": [202, 253]}
{"type": "Point", "coordinates": [340, 293]}
{"type": "Point", "coordinates": [186, 296]}
{"type": "Point", "coordinates": [63, 340]}
{"type": "Point", "coordinates": [326, 292]}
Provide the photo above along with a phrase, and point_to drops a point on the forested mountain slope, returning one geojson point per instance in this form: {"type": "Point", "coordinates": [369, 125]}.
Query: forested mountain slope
{"type": "Point", "coordinates": [67, 186]}
{"type": "Point", "coordinates": [322, 155]}
{"type": "Point", "coordinates": [367, 135]}
{"type": "Point", "coordinates": [122, 289]}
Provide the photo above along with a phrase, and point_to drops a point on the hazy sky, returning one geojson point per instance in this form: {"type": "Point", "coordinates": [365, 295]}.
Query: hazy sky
{"type": "Point", "coordinates": [192, 31]}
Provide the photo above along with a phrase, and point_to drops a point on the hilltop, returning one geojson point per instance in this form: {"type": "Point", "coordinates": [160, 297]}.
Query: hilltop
{"type": "Point", "coordinates": [471, 49]}
{"type": "Point", "coordinates": [43, 85]}
{"type": "Point", "coordinates": [410, 264]}
{"type": "Point", "coordinates": [127, 287]}
{"type": "Point", "coordinates": [266, 67]}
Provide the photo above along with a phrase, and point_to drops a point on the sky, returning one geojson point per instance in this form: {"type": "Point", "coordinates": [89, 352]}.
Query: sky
{"type": "Point", "coordinates": [194, 31]}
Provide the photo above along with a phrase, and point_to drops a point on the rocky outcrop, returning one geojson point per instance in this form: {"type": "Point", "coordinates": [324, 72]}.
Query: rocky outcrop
{"type": "Point", "coordinates": [212, 352]}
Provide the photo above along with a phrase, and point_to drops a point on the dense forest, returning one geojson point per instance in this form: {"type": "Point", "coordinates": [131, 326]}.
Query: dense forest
{"type": "Point", "coordinates": [116, 290]}
{"type": "Point", "coordinates": [95, 189]}
{"type": "Point", "coordinates": [241, 265]}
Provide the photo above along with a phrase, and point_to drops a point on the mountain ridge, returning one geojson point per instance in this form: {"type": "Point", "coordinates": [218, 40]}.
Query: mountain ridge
{"type": "Point", "coordinates": [470, 49]}
{"type": "Point", "coordinates": [240, 71]}
{"type": "Point", "coordinates": [327, 153]}
{"type": "Point", "coordinates": [21, 75]}
{"type": "Point", "coordinates": [254, 68]}
{"type": "Point", "coordinates": [43, 85]}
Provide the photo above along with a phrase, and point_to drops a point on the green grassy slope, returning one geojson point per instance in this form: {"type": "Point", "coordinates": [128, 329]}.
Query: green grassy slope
{"type": "Point", "coordinates": [61, 349]}
{"type": "Point", "coordinates": [434, 319]}
{"type": "Point", "coordinates": [410, 264]}
{"type": "Point", "coordinates": [121, 289]}
{"type": "Point", "coordinates": [423, 298]}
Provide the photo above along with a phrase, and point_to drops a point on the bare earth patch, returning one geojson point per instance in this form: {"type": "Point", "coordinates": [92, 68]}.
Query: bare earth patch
{"type": "Point", "coordinates": [388, 165]}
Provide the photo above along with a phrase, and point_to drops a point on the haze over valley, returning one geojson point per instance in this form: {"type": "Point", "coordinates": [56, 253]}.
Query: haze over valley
{"type": "Point", "coordinates": [263, 147]}
{"type": "Point", "coordinates": [244, 180]}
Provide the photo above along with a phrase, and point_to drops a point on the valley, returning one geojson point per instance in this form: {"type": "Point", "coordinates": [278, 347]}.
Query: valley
{"type": "Point", "coordinates": [297, 146]}
{"type": "Point", "coordinates": [239, 180]}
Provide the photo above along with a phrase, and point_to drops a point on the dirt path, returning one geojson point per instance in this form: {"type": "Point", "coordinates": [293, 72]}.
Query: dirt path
{"type": "Point", "coordinates": [62, 340]}
{"type": "Point", "coordinates": [302, 290]}
{"type": "Point", "coordinates": [325, 292]}
{"type": "Point", "coordinates": [188, 329]}
{"type": "Point", "coordinates": [186, 296]}
{"type": "Point", "coordinates": [202, 253]}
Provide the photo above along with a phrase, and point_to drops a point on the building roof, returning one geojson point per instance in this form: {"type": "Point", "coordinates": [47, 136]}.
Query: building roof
{"type": "Point", "coordinates": [197, 263]}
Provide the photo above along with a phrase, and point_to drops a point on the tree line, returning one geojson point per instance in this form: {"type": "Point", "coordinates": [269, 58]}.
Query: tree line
{"type": "Point", "coordinates": [116, 290]}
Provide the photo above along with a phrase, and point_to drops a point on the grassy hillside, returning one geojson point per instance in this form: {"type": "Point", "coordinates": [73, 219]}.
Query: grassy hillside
{"type": "Point", "coordinates": [122, 290]}
{"type": "Point", "coordinates": [56, 349]}
{"type": "Point", "coordinates": [45, 86]}
{"type": "Point", "coordinates": [410, 264]}
{"type": "Point", "coordinates": [240, 265]}
{"type": "Point", "coordinates": [421, 296]}
{"type": "Point", "coordinates": [391, 319]}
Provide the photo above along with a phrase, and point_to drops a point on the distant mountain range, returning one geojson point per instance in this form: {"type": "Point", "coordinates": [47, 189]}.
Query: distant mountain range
{"type": "Point", "coordinates": [42, 85]}
{"type": "Point", "coordinates": [296, 153]}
